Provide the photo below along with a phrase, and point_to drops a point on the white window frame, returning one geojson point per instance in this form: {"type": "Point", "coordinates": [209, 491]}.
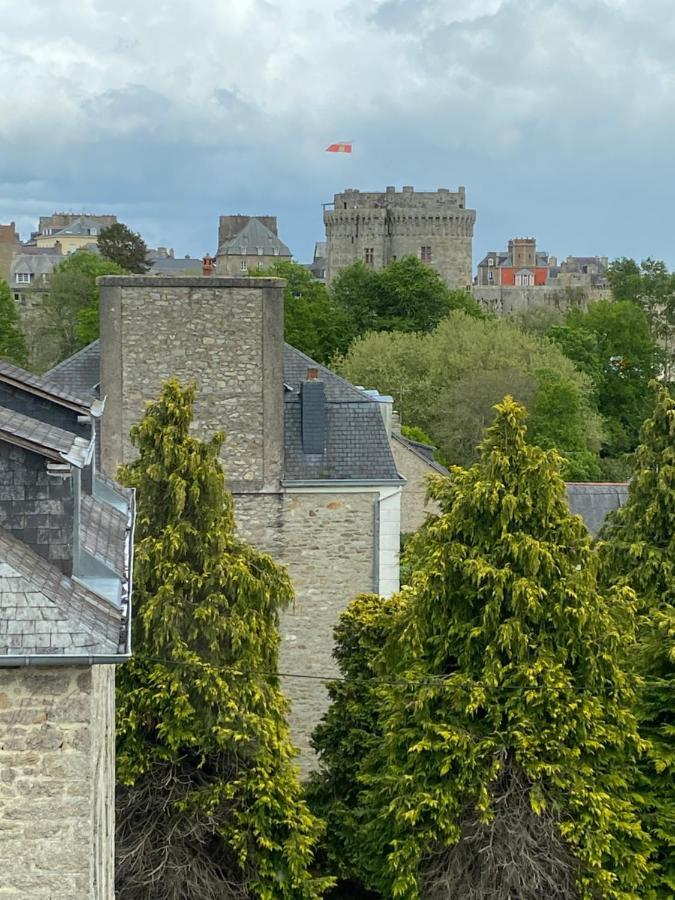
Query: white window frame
{"type": "Point", "coordinates": [243, 266]}
{"type": "Point", "coordinates": [22, 278]}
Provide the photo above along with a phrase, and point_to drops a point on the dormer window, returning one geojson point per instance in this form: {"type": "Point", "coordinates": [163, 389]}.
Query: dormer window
{"type": "Point", "coordinates": [260, 251]}
{"type": "Point", "coordinates": [23, 277]}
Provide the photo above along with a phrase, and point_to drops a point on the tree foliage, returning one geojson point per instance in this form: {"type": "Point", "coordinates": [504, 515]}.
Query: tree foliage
{"type": "Point", "coordinates": [651, 287]}
{"type": "Point", "coordinates": [12, 341]}
{"type": "Point", "coordinates": [313, 323]}
{"type": "Point", "coordinates": [611, 342]}
{"type": "Point", "coordinates": [406, 295]}
{"type": "Point", "coordinates": [209, 805]}
{"type": "Point", "coordinates": [70, 317]}
{"type": "Point", "coordinates": [504, 736]}
{"type": "Point", "coordinates": [119, 244]}
{"type": "Point", "coordinates": [447, 383]}
{"type": "Point", "coordinates": [640, 552]}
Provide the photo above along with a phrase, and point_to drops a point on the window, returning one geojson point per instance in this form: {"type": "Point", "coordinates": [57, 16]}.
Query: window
{"type": "Point", "coordinates": [261, 265]}
{"type": "Point", "coordinates": [243, 265]}
{"type": "Point", "coordinates": [93, 231]}
{"type": "Point", "coordinates": [260, 251]}
{"type": "Point", "coordinates": [425, 254]}
{"type": "Point", "coordinates": [491, 261]}
{"type": "Point", "coordinates": [491, 277]}
{"type": "Point", "coordinates": [276, 251]}
{"type": "Point", "coordinates": [23, 277]}
{"type": "Point", "coordinates": [369, 255]}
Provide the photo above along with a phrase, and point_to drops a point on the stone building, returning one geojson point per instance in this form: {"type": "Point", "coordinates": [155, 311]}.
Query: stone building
{"type": "Point", "coordinates": [307, 454]}
{"type": "Point", "coordinates": [9, 244]}
{"type": "Point", "coordinates": [78, 233]}
{"type": "Point", "coordinates": [248, 244]}
{"type": "Point", "coordinates": [378, 228]}
{"type": "Point", "coordinates": [66, 546]}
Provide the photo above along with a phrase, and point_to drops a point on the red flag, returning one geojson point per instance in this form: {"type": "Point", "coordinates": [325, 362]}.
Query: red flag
{"type": "Point", "coordinates": [345, 147]}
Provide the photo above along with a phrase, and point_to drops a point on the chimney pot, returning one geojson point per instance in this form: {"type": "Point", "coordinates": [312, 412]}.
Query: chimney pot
{"type": "Point", "coordinates": [312, 374]}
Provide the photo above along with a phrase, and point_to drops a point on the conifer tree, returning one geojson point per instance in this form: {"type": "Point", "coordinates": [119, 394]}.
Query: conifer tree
{"type": "Point", "coordinates": [640, 552]}
{"type": "Point", "coordinates": [508, 737]}
{"type": "Point", "coordinates": [209, 804]}
{"type": "Point", "coordinates": [12, 341]}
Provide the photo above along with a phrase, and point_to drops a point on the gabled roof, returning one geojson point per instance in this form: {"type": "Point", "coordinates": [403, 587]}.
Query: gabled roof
{"type": "Point", "coordinates": [80, 373]}
{"type": "Point", "coordinates": [47, 440]}
{"type": "Point", "coordinates": [252, 236]}
{"type": "Point", "coordinates": [423, 451]}
{"type": "Point", "coordinates": [45, 388]}
{"type": "Point", "coordinates": [44, 613]}
{"type": "Point", "coordinates": [35, 264]}
{"type": "Point", "coordinates": [593, 501]}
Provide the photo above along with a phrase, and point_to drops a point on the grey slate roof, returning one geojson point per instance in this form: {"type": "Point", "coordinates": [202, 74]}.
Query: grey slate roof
{"type": "Point", "coordinates": [593, 501]}
{"type": "Point", "coordinates": [103, 533]}
{"type": "Point", "coordinates": [357, 447]}
{"type": "Point", "coordinates": [46, 613]}
{"type": "Point", "coordinates": [170, 265]}
{"type": "Point", "coordinates": [35, 264]}
{"type": "Point", "coordinates": [44, 387]}
{"type": "Point", "coordinates": [48, 440]}
{"type": "Point", "coordinates": [80, 373]}
{"type": "Point", "coordinates": [253, 235]}
{"type": "Point", "coordinates": [82, 225]}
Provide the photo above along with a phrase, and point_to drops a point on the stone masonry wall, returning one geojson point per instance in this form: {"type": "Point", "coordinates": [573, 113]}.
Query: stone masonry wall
{"type": "Point", "coordinates": [227, 334]}
{"type": "Point", "coordinates": [56, 783]}
{"type": "Point", "coordinates": [414, 505]}
{"type": "Point", "coordinates": [327, 541]}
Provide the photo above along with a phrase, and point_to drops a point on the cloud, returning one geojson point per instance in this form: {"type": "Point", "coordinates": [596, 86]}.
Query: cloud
{"type": "Point", "coordinates": [556, 114]}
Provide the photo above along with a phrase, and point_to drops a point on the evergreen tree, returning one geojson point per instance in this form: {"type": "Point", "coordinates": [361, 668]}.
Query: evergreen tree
{"type": "Point", "coordinates": [640, 552]}
{"type": "Point", "coordinates": [12, 341]}
{"type": "Point", "coordinates": [350, 730]}
{"type": "Point", "coordinates": [209, 804]}
{"type": "Point", "coordinates": [508, 737]}
{"type": "Point", "coordinates": [125, 247]}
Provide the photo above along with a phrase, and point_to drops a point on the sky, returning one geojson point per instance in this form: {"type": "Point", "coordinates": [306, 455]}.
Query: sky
{"type": "Point", "coordinates": [558, 117]}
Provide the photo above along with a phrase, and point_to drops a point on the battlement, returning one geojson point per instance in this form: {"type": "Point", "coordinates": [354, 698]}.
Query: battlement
{"type": "Point", "coordinates": [407, 198]}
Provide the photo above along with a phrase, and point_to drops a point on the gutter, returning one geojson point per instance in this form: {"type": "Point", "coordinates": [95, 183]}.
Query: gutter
{"type": "Point", "coordinates": [61, 660]}
{"type": "Point", "coordinates": [346, 482]}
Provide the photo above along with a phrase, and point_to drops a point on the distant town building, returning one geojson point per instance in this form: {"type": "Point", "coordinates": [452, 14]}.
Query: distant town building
{"type": "Point", "coordinates": [163, 261]}
{"type": "Point", "coordinates": [248, 244]}
{"type": "Point", "coordinates": [318, 264]}
{"type": "Point", "coordinates": [9, 242]}
{"type": "Point", "coordinates": [581, 271]}
{"type": "Point", "coordinates": [520, 265]}
{"type": "Point", "coordinates": [31, 266]}
{"type": "Point", "coordinates": [71, 231]}
{"type": "Point", "coordinates": [378, 228]}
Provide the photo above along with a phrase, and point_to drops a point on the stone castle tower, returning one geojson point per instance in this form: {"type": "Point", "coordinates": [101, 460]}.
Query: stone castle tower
{"type": "Point", "coordinates": [378, 228]}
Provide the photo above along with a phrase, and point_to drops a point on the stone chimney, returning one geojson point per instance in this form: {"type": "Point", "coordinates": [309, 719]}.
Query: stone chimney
{"type": "Point", "coordinates": [226, 334]}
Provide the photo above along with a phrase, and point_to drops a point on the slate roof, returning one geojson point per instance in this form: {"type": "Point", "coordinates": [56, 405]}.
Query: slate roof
{"type": "Point", "coordinates": [357, 447]}
{"type": "Point", "coordinates": [34, 263]}
{"type": "Point", "coordinates": [103, 533]}
{"type": "Point", "coordinates": [253, 235]}
{"type": "Point", "coordinates": [594, 500]}
{"type": "Point", "coordinates": [80, 373]}
{"type": "Point", "coordinates": [170, 265]}
{"type": "Point", "coordinates": [48, 440]}
{"type": "Point", "coordinates": [44, 387]}
{"type": "Point", "coordinates": [46, 613]}
{"type": "Point", "coordinates": [82, 225]}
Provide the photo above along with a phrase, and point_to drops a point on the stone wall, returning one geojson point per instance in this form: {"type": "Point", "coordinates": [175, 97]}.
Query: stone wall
{"type": "Point", "coordinates": [227, 334]}
{"type": "Point", "coordinates": [505, 300]}
{"type": "Point", "coordinates": [396, 224]}
{"type": "Point", "coordinates": [414, 504]}
{"type": "Point", "coordinates": [56, 783]}
{"type": "Point", "coordinates": [327, 541]}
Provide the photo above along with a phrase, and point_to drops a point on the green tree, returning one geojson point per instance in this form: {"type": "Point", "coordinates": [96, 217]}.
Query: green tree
{"type": "Point", "coordinates": [640, 552]}
{"type": "Point", "coordinates": [447, 383]}
{"type": "Point", "coordinates": [350, 730]}
{"type": "Point", "coordinates": [612, 343]}
{"type": "Point", "coordinates": [406, 295]}
{"type": "Point", "coordinates": [209, 804]}
{"type": "Point", "coordinates": [313, 323]}
{"type": "Point", "coordinates": [651, 287]}
{"type": "Point", "coordinates": [505, 709]}
{"type": "Point", "coordinates": [12, 341]}
{"type": "Point", "coordinates": [119, 244]}
{"type": "Point", "coordinates": [69, 317]}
